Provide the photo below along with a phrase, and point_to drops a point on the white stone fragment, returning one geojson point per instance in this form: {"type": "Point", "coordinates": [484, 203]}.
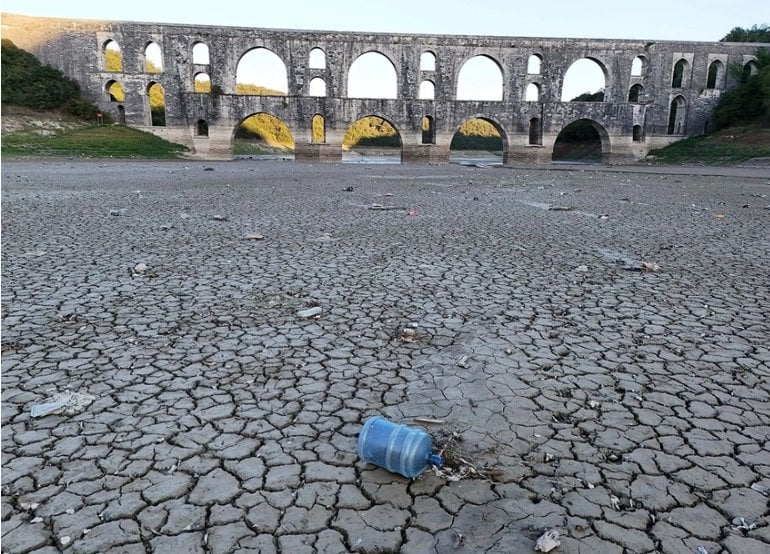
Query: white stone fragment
{"type": "Point", "coordinates": [548, 541]}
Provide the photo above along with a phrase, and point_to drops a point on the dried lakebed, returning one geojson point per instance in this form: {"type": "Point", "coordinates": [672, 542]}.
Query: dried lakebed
{"type": "Point", "coordinates": [589, 347]}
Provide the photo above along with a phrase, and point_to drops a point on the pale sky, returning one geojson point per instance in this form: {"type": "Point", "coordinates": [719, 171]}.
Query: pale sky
{"type": "Point", "coordinates": [701, 20]}
{"type": "Point", "coordinates": [707, 20]}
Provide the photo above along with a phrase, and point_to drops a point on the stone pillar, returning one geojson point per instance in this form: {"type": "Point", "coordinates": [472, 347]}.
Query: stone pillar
{"type": "Point", "coordinates": [317, 152]}
{"type": "Point", "coordinates": [218, 145]}
{"type": "Point", "coordinates": [424, 154]}
{"type": "Point", "coordinates": [534, 154]}
{"type": "Point", "coordinates": [621, 151]}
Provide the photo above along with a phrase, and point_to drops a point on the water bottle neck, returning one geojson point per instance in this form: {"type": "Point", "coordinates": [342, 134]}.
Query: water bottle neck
{"type": "Point", "coordinates": [436, 460]}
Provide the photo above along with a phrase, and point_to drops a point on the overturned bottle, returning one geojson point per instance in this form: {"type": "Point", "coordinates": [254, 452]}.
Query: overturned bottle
{"type": "Point", "coordinates": [395, 447]}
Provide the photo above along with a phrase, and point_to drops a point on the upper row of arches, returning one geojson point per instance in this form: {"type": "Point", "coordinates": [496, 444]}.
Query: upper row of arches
{"type": "Point", "coordinates": [373, 75]}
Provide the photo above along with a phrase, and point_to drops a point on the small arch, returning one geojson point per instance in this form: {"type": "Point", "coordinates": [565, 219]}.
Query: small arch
{"type": "Point", "coordinates": [121, 115]}
{"type": "Point", "coordinates": [677, 116]}
{"type": "Point", "coordinates": [428, 125]}
{"type": "Point", "coordinates": [200, 54]}
{"type": "Point", "coordinates": [534, 64]}
{"type": "Point", "coordinates": [535, 131]}
{"type": "Point", "coordinates": [153, 58]}
{"type": "Point", "coordinates": [317, 87]}
{"type": "Point", "coordinates": [261, 72]}
{"type": "Point", "coordinates": [427, 90]}
{"type": "Point", "coordinates": [115, 90]}
{"type": "Point", "coordinates": [715, 75]}
{"type": "Point", "coordinates": [202, 128]}
{"type": "Point", "coordinates": [635, 93]}
{"type": "Point", "coordinates": [318, 128]}
{"type": "Point", "coordinates": [259, 132]}
{"type": "Point", "coordinates": [428, 61]}
{"type": "Point", "coordinates": [533, 93]}
{"type": "Point", "coordinates": [750, 69]}
{"type": "Point", "coordinates": [637, 133]}
{"type": "Point", "coordinates": [157, 101]}
{"type": "Point", "coordinates": [372, 75]}
{"type": "Point", "coordinates": [678, 75]}
{"type": "Point", "coordinates": [584, 81]}
{"type": "Point", "coordinates": [638, 66]}
{"type": "Point", "coordinates": [202, 83]}
{"type": "Point", "coordinates": [583, 140]}
{"type": "Point", "coordinates": [317, 59]}
{"type": "Point", "coordinates": [113, 57]}
{"type": "Point", "coordinates": [480, 78]}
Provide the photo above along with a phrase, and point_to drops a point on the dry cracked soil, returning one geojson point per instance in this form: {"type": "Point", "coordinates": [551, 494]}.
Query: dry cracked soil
{"type": "Point", "coordinates": [591, 345]}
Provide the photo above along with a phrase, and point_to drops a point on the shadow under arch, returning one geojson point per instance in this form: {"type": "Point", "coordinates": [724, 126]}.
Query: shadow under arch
{"type": "Point", "coordinates": [372, 138]}
{"type": "Point", "coordinates": [262, 134]}
{"type": "Point", "coordinates": [582, 141]}
{"type": "Point", "coordinates": [479, 138]}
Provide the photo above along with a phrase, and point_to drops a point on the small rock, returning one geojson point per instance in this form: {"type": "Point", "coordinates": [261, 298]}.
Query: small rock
{"type": "Point", "coordinates": [65, 540]}
{"type": "Point", "coordinates": [593, 404]}
{"type": "Point", "coordinates": [582, 268]}
{"type": "Point", "coordinates": [218, 218]}
{"type": "Point", "coordinates": [253, 236]}
{"type": "Point", "coordinates": [37, 519]}
{"type": "Point", "coordinates": [348, 189]}
{"type": "Point", "coordinates": [508, 351]}
{"type": "Point", "coordinates": [140, 268]}
{"type": "Point", "coordinates": [761, 489]}
{"type": "Point", "coordinates": [208, 169]}
{"type": "Point", "coordinates": [115, 213]}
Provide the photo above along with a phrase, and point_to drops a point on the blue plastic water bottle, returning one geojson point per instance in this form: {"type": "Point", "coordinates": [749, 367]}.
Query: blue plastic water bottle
{"type": "Point", "coordinates": [397, 448]}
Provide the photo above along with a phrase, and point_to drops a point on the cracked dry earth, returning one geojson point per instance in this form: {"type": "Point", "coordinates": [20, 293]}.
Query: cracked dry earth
{"type": "Point", "coordinates": [629, 410]}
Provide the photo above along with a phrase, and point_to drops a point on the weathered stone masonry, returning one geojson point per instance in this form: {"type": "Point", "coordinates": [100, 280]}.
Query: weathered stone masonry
{"type": "Point", "coordinates": [207, 122]}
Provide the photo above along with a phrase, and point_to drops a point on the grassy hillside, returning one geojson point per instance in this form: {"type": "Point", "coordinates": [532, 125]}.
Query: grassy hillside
{"type": "Point", "coordinates": [54, 135]}
{"type": "Point", "coordinates": [728, 146]}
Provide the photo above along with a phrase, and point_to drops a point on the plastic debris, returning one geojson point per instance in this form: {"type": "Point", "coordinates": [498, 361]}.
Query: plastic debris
{"type": "Point", "coordinates": [380, 207]}
{"type": "Point", "coordinates": [581, 268]}
{"type": "Point", "coordinates": [348, 189]}
{"type": "Point", "coordinates": [649, 267]}
{"type": "Point", "coordinates": [65, 540]}
{"type": "Point", "coordinates": [412, 213]}
{"type": "Point", "coordinates": [310, 312]}
{"type": "Point", "coordinates": [67, 401]}
{"type": "Point", "coordinates": [218, 218]}
{"type": "Point", "coordinates": [740, 524]}
{"type": "Point", "coordinates": [548, 541]}
{"type": "Point", "coordinates": [253, 236]}
{"type": "Point", "coordinates": [761, 489]}
{"type": "Point", "coordinates": [140, 268]}
{"type": "Point", "coordinates": [408, 334]}
{"type": "Point", "coordinates": [429, 421]}
{"type": "Point", "coordinates": [561, 208]}
{"type": "Point", "coordinates": [615, 502]}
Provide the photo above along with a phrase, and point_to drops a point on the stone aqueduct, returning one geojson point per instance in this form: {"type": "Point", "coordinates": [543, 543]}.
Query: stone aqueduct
{"type": "Point", "coordinates": [673, 95]}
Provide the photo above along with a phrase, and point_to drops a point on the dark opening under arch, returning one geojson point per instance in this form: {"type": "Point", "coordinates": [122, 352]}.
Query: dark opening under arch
{"type": "Point", "coordinates": [581, 141]}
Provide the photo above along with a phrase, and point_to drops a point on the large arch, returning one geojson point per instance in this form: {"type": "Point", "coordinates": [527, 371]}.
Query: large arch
{"type": "Point", "coordinates": [480, 78]}
{"type": "Point", "coordinates": [585, 80]}
{"type": "Point", "coordinates": [480, 133]}
{"type": "Point", "coordinates": [261, 72]}
{"type": "Point", "coordinates": [582, 140]}
{"type": "Point", "coordinates": [372, 75]}
{"type": "Point", "coordinates": [259, 132]}
{"type": "Point", "coordinates": [372, 135]}
{"type": "Point", "coordinates": [677, 116]}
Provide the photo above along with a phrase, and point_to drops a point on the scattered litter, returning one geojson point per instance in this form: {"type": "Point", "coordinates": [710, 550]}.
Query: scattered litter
{"type": "Point", "coordinates": [649, 266]}
{"type": "Point", "coordinates": [140, 269]}
{"type": "Point", "coordinates": [86, 530]}
{"type": "Point", "coordinates": [69, 511]}
{"type": "Point", "coordinates": [561, 208]}
{"type": "Point", "coordinates": [348, 189]}
{"type": "Point", "coordinates": [429, 421]}
{"type": "Point", "coordinates": [702, 550]}
{"type": "Point", "coordinates": [310, 312]}
{"type": "Point", "coordinates": [31, 506]}
{"type": "Point", "coordinates": [508, 351]}
{"type": "Point", "coordinates": [615, 502]}
{"type": "Point", "coordinates": [408, 334]}
{"type": "Point", "coordinates": [115, 213]}
{"type": "Point", "coordinates": [166, 227]}
{"type": "Point", "coordinates": [589, 485]}
{"type": "Point", "coordinates": [184, 216]}
{"type": "Point", "coordinates": [37, 519]}
{"type": "Point", "coordinates": [581, 268]}
{"type": "Point", "coordinates": [603, 217]}
{"type": "Point", "coordinates": [548, 457]}
{"type": "Point", "coordinates": [740, 524]}
{"type": "Point", "coordinates": [65, 540]}
{"type": "Point", "coordinates": [69, 402]}
{"type": "Point", "coordinates": [218, 218]}
{"type": "Point", "coordinates": [253, 236]}
{"type": "Point", "coordinates": [548, 541]}
{"type": "Point", "coordinates": [412, 213]}
{"type": "Point", "coordinates": [761, 489]}
{"type": "Point", "coordinates": [719, 216]}
{"type": "Point", "coordinates": [459, 538]}
{"type": "Point", "coordinates": [208, 169]}
{"type": "Point", "coordinates": [593, 404]}
{"type": "Point", "coordinates": [463, 362]}
{"type": "Point", "coordinates": [380, 207]}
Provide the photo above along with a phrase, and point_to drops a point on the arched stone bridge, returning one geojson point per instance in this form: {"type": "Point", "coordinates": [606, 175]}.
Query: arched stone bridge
{"type": "Point", "coordinates": [668, 93]}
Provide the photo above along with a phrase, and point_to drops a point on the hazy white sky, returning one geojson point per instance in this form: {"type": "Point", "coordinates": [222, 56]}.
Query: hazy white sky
{"type": "Point", "coordinates": [706, 20]}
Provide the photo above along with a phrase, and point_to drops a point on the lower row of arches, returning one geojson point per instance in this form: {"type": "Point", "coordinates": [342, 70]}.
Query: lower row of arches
{"type": "Point", "coordinates": [261, 133]}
